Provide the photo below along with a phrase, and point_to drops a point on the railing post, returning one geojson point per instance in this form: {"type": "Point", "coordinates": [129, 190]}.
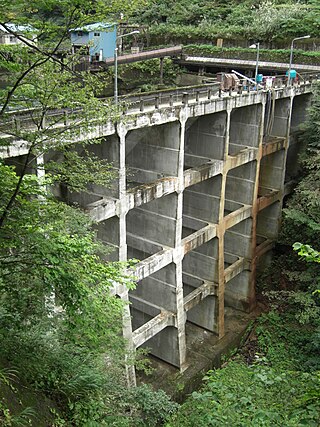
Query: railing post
{"type": "Point", "coordinates": [209, 93]}
{"type": "Point", "coordinates": [141, 105]}
{"type": "Point", "coordinates": [171, 100]}
{"type": "Point", "coordinates": [220, 92]}
{"type": "Point", "coordinates": [240, 89]}
{"type": "Point", "coordinates": [197, 96]}
{"type": "Point", "coordinates": [185, 98]}
{"type": "Point", "coordinates": [230, 91]}
{"type": "Point", "coordinates": [16, 123]}
{"type": "Point", "coordinates": [156, 105]}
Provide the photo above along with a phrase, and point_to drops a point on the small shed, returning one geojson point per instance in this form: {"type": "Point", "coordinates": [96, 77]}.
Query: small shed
{"type": "Point", "coordinates": [97, 40]}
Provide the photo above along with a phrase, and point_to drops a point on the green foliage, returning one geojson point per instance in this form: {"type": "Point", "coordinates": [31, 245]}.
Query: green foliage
{"type": "Point", "coordinates": [252, 396]}
{"type": "Point", "coordinates": [281, 386]}
{"type": "Point", "coordinates": [307, 252]}
{"type": "Point", "coordinates": [201, 20]}
{"type": "Point", "coordinates": [75, 355]}
{"type": "Point", "coordinates": [302, 214]}
{"type": "Point", "coordinates": [139, 73]}
{"type": "Point", "coordinates": [7, 419]}
{"type": "Point", "coordinates": [48, 249]}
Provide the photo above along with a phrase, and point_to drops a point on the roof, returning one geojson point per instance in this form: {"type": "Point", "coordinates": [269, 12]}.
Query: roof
{"type": "Point", "coordinates": [94, 27]}
{"type": "Point", "coordinates": [20, 29]}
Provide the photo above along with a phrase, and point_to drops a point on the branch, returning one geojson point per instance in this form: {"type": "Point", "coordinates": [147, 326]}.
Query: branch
{"type": "Point", "coordinates": [17, 83]}
{"type": "Point", "coordinates": [47, 55]}
{"type": "Point", "coordinates": [16, 191]}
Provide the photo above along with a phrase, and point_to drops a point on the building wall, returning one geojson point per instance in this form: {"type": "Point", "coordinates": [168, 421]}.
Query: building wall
{"type": "Point", "coordinates": [96, 40]}
{"type": "Point", "coordinates": [79, 40]}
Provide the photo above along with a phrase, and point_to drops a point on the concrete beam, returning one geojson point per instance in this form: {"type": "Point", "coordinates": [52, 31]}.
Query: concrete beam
{"type": "Point", "coordinates": [246, 155]}
{"type": "Point", "coordinates": [199, 294]}
{"type": "Point", "coordinates": [152, 264]}
{"type": "Point", "coordinates": [264, 247]}
{"type": "Point", "coordinates": [203, 172]}
{"type": "Point", "coordinates": [236, 268]}
{"type": "Point", "coordinates": [198, 238]}
{"type": "Point", "coordinates": [237, 216]}
{"type": "Point", "coordinates": [268, 200]}
{"type": "Point", "coordinates": [103, 209]}
{"type": "Point", "coordinates": [273, 144]}
{"type": "Point", "coordinates": [153, 327]}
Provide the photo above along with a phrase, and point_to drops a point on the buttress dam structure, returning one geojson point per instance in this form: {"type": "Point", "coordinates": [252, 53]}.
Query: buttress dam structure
{"type": "Point", "coordinates": [197, 201]}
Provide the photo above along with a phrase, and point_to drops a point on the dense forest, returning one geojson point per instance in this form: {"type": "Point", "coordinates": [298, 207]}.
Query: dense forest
{"type": "Point", "coordinates": [200, 21]}
{"type": "Point", "coordinates": [61, 351]}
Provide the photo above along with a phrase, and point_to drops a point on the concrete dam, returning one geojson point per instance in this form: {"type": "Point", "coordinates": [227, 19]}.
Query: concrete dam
{"type": "Point", "coordinates": [198, 199]}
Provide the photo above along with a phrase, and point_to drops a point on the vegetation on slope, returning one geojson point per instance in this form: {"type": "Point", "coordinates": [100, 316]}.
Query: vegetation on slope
{"type": "Point", "coordinates": [279, 384]}
{"type": "Point", "coordinates": [187, 21]}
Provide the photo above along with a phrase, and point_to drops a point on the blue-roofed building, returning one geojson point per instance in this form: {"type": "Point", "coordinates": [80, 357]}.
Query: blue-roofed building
{"type": "Point", "coordinates": [99, 40]}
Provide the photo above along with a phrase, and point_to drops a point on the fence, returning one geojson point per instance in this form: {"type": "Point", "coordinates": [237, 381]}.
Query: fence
{"type": "Point", "coordinates": [34, 119]}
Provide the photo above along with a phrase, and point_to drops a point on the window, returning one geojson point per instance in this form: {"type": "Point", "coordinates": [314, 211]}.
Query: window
{"type": "Point", "coordinates": [12, 39]}
{"type": "Point", "coordinates": [80, 33]}
{"type": "Point", "coordinates": [97, 34]}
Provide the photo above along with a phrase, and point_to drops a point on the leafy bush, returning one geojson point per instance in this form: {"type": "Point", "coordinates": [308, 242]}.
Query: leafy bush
{"type": "Point", "coordinates": [280, 388]}
{"type": "Point", "coordinates": [253, 396]}
{"type": "Point", "coordinates": [184, 21]}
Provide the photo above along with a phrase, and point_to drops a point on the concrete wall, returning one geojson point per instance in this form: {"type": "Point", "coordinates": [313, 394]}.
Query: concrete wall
{"type": "Point", "coordinates": [198, 201]}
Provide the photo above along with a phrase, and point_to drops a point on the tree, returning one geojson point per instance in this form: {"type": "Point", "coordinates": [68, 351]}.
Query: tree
{"type": "Point", "coordinates": [59, 323]}
{"type": "Point", "coordinates": [302, 214]}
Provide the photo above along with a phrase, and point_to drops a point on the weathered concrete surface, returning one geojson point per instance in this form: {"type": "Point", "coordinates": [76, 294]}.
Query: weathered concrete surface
{"type": "Point", "coordinates": [205, 352]}
{"type": "Point", "coordinates": [198, 201]}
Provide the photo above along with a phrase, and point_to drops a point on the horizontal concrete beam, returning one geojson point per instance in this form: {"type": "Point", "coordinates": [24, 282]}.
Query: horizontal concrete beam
{"type": "Point", "coordinates": [268, 199]}
{"type": "Point", "coordinates": [244, 156]}
{"type": "Point", "coordinates": [273, 144]}
{"type": "Point", "coordinates": [103, 209]}
{"type": "Point", "coordinates": [264, 247]}
{"type": "Point", "coordinates": [236, 268]}
{"type": "Point", "coordinates": [72, 133]}
{"type": "Point", "coordinates": [152, 264]}
{"type": "Point", "coordinates": [153, 327]}
{"type": "Point", "coordinates": [14, 148]}
{"type": "Point", "coordinates": [200, 293]}
{"type": "Point", "coordinates": [244, 63]}
{"type": "Point", "coordinates": [237, 216]}
{"type": "Point", "coordinates": [203, 172]}
{"type": "Point", "coordinates": [147, 192]}
{"type": "Point", "coordinates": [198, 238]}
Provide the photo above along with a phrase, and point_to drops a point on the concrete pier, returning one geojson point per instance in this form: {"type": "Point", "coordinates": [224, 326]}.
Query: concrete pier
{"type": "Point", "coordinates": [198, 202]}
